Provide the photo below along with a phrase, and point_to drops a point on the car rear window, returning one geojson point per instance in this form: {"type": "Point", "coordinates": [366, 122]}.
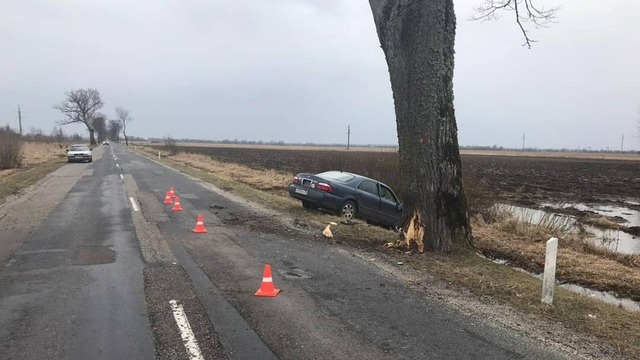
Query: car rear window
{"type": "Point", "coordinates": [79, 148]}
{"type": "Point", "coordinates": [336, 175]}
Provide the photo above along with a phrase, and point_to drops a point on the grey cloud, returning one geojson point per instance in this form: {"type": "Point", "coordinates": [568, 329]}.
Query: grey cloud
{"type": "Point", "coordinates": [301, 71]}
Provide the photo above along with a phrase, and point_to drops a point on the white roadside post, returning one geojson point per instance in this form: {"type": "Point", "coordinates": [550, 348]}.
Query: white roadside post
{"type": "Point", "coordinates": [549, 280]}
{"type": "Point", "coordinates": [158, 154]}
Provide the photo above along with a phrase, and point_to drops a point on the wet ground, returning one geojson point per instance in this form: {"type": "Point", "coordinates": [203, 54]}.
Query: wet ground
{"type": "Point", "coordinates": [619, 233]}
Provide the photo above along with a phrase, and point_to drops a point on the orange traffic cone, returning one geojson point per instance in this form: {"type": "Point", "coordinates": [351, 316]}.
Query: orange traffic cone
{"type": "Point", "coordinates": [167, 199]}
{"type": "Point", "coordinates": [267, 289]}
{"type": "Point", "coordinates": [176, 205]}
{"type": "Point", "coordinates": [172, 192]}
{"type": "Point", "coordinates": [200, 226]}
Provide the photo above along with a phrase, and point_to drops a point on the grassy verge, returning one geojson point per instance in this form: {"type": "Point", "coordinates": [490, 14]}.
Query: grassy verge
{"type": "Point", "coordinates": [613, 325]}
{"type": "Point", "coordinates": [266, 188]}
{"type": "Point", "coordinates": [23, 178]}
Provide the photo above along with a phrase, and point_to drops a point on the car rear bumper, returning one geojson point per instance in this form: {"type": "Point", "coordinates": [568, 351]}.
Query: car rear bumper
{"type": "Point", "coordinates": [79, 157]}
{"type": "Point", "coordinates": [320, 198]}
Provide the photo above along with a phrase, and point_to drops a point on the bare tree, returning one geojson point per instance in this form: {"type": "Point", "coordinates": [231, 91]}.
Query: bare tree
{"type": "Point", "coordinates": [125, 119]}
{"type": "Point", "coordinates": [525, 11]}
{"type": "Point", "coordinates": [114, 130]}
{"type": "Point", "coordinates": [80, 106]}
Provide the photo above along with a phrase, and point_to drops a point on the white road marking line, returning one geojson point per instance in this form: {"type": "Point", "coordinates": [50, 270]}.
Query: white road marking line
{"type": "Point", "coordinates": [121, 176]}
{"type": "Point", "coordinates": [117, 165]}
{"type": "Point", "coordinates": [188, 338]}
{"type": "Point", "coordinates": [134, 204]}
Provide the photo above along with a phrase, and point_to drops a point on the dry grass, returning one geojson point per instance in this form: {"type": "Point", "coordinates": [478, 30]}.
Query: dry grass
{"type": "Point", "coordinates": [40, 152]}
{"type": "Point", "coordinates": [39, 159]}
{"type": "Point", "coordinates": [577, 267]}
{"type": "Point", "coordinates": [602, 222]}
{"type": "Point", "coordinates": [266, 180]}
{"type": "Point", "coordinates": [17, 180]}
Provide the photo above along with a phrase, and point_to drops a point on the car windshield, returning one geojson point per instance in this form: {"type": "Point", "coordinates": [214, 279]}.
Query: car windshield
{"type": "Point", "coordinates": [336, 175]}
{"type": "Point", "coordinates": [78, 148]}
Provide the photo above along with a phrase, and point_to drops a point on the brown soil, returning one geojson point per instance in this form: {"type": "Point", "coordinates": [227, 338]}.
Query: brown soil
{"type": "Point", "coordinates": [34, 153]}
{"type": "Point", "coordinates": [532, 180]}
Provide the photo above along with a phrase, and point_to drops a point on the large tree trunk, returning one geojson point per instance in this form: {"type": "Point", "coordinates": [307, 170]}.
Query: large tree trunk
{"type": "Point", "coordinates": [417, 37]}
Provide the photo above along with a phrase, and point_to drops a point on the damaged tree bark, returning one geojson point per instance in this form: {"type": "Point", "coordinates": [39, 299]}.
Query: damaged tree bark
{"type": "Point", "coordinates": [417, 37]}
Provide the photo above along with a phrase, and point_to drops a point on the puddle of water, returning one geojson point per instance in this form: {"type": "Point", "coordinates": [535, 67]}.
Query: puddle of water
{"type": "Point", "coordinates": [606, 297]}
{"type": "Point", "coordinates": [632, 217]}
{"type": "Point", "coordinates": [615, 240]}
{"type": "Point", "coordinates": [603, 296]}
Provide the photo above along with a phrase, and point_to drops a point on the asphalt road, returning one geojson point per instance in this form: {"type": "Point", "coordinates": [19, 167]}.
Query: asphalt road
{"type": "Point", "coordinates": [110, 272]}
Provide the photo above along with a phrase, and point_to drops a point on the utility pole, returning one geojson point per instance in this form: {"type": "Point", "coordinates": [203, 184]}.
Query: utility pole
{"type": "Point", "coordinates": [20, 120]}
{"type": "Point", "coordinates": [348, 136]}
{"type": "Point", "coordinates": [622, 144]}
{"type": "Point", "coordinates": [523, 137]}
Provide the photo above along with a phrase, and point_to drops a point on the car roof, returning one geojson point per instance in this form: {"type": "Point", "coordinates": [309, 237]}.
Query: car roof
{"type": "Point", "coordinates": [359, 177]}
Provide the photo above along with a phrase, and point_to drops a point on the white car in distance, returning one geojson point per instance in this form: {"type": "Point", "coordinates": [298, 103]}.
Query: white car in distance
{"type": "Point", "coordinates": [79, 153]}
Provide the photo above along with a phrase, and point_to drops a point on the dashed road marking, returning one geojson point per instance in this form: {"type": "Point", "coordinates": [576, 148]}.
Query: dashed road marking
{"type": "Point", "coordinates": [117, 165]}
{"type": "Point", "coordinates": [188, 338]}
{"type": "Point", "coordinates": [121, 176]}
{"type": "Point", "coordinates": [134, 204]}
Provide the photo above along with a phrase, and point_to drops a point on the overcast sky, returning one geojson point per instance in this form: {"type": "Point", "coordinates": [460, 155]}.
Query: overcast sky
{"type": "Point", "coordinates": [302, 70]}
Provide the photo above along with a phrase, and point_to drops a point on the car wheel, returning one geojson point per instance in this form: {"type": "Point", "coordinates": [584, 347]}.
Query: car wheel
{"type": "Point", "coordinates": [309, 205]}
{"type": "Point", "coordinates": [69, 161]}
{"type": "Point", "coordinates": [347, 210]}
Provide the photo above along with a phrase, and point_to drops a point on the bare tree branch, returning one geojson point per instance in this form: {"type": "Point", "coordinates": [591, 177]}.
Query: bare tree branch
{"type": "Point", "coordinates": [80, 106]}
{"type": "Point", "coordinates": [539, 17]}
{"type": "Point", "coordinates": [125, 119]}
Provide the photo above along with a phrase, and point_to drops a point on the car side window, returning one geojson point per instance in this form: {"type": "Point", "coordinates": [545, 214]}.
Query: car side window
{"type": "Point", "coordinates": [386, 194]}
{"type": "Point", "coordinates": [368, 186]}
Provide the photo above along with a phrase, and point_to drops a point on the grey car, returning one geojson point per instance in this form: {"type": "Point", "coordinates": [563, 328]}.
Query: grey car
{"type": "Point", "coordinates": [348, 195]}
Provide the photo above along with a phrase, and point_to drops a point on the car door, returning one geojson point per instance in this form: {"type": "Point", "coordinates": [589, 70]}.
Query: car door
{"type": "Point", "coordinates": [368, 199]}
{"type": "Point", "coordinates": [388, 212]}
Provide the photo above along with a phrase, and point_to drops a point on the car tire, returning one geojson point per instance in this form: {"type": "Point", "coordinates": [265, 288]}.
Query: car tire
{"type": "Point", "coordinates": [347, 210]}
{"type": "Point", "coordinates": [309, 205]}
{"type": "Point", "coordinates": [69, 161]}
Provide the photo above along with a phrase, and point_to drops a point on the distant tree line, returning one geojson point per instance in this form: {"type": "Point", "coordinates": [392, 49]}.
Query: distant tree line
{"type": "Point", "coordinates": [82, 106]}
